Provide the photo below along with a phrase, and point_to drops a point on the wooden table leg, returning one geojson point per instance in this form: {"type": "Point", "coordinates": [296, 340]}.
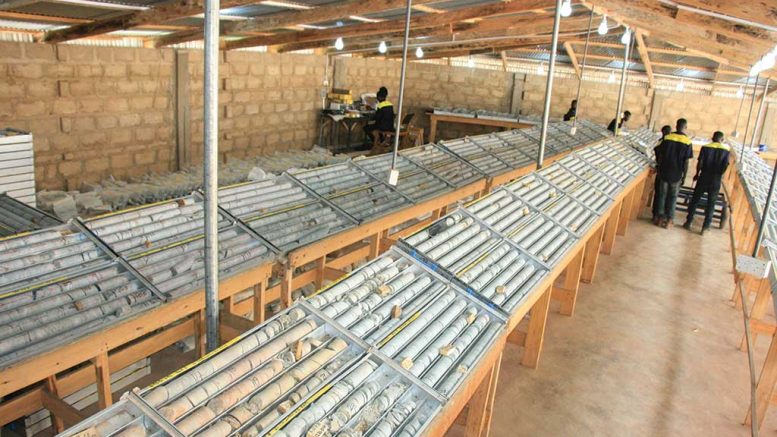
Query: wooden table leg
{"type": "Point", "coordinates": [481, 405]}
{"type": "Point", "coordinates": [320, 269]}
{"type": "Point", "coordinates": [374, 247]}
{"type": "Point", "coordinates": [766, 382]}
{"type": "Point", "coordinates": [641, 194]}
{"type": "Point", "coordinates": [758, 310]}
{"type": "Point", "coordinates": [259, 302]}
{"type": "Point", "coordinates": [432, 128]}
{"type": "Point", "coordinates": [287, 285]}
{"type": "Point", "coordinates": [199, 333]}
{"type": "Point", "coordinates": [591, 256]}
{"type": "Point", "coordinates": [567, 292]}
{"type": "Point", "coordinates": [610, 229]}
{"type": "Point", "coordinates": [536, 332]}
{"type": "Point", "coordinates": [625, 214]}
{"type": "Point", "coordinates": [103, 381]}
{"type": "Point", "coordinates": [51, 386]}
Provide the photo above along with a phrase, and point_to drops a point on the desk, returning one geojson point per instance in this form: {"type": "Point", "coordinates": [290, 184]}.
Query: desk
{"type": "Point", "coordinates": [435, 118]}
{"type": "Point", "coordinates": [349, 122]}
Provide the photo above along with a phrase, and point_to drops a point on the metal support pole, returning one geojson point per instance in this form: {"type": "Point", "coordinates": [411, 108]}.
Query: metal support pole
{"type": "Point", "coordinates": [758, 114]}
{"type": "Point", "coordinates": [582, 69]}
{"type": "Point", "coordinates": [750, 112]}
{"type": "Point", "coordinates": [622, 89]}
{"type": "Point", "coordinates": [392, 173]}
{"type": "Point", "coordinates": [739, 112]}
{"type": "Point", "coordinates": [765, 214]}
{"type": "Point", "coordinates": [211, 126]}
{"type": "Point", "coordinates": [549, 84]}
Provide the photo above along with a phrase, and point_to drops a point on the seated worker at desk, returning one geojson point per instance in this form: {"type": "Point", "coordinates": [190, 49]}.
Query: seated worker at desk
{"type": "Point", "coordinates": [383, 118]}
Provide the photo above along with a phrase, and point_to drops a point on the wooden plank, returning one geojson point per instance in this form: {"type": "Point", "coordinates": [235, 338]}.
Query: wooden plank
{"type": "Point", "coordinates": [535, 335]}
{"type": "Point", "coordinates": [766, 381]}
{"type": "Point", "coordinates": [259, 302]}
{"type": "Point", "coordinates": [478, 407]}
{"type": "Point", "coordinates": [591, 257]}
{"type": "Point", "coordinates": [374, 247]}
{"type": "Point", "coordinates": [350, 258]}
{"type": "Point", "coordinates": [571, 284]}
{"type": "Point", "coordinates": [382, 27]}
{"type": "Point", "coordinates": [643, 54]}
{"type": "Point", "coordinates": [625, 214]}
{"type": "Point", "coordinates": [610, 229]}
{"type": "Point", "coordinates": [63, 412]}
{"type": "Point", "coordinates": [517, 337]}
{"type": "Point", "coordinates": [199, 333]}
{"type": "Point", "coordinates": [264, 23]}
{"type": "Point", "coordinates": [491, 398]}
{"type": "Point", "coordinates": [241, 324]}
{"type": "Point", "coordinates": [320, 269]}
{"type": "Point", "coordinates": [573, 57]}
{"type": "Point", "coordinates": [103, 380]}
{"type": "Point", "coordinates": [51, 390]}
{"type": "Point", "coordinates": [286, 285]}
{"type": "Point", "coordinates": [70, 382]}
{"type": "Point", "coordinates": [334, 274]}
{"type": "Point", "coordinates": [182, 111]}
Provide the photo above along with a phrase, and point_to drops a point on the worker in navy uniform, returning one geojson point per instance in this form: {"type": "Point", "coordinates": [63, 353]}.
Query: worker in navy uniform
{"type": "Point", "coordinates": [666, 130]}
{"type": "Point", "coordinates": [383, 120]}
{"type": "Point", "coordinates": [713, 162]}
{"type": "Point", "coordinates": [624, 119]}
{"type": "Point", "coordinates": [672, 156]}
{"type": "Point", "coordinates": [572, 112]}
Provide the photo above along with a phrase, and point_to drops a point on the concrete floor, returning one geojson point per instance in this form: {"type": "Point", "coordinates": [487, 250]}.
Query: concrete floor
{"type": "Point", "coordinates": [651, 349]}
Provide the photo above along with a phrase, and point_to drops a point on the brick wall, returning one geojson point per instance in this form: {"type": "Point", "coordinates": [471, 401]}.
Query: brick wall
{"type": "Point", "coordinates": [429, 85]}
{"type": "Point", "coordinates": [101, 111]}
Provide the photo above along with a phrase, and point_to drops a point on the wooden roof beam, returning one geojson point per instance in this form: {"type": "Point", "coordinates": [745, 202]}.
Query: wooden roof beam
{"type": "Point", "coordinates": [572, 57]}
{"type": "Point", "coordinates": [264, 23]}
{"type": "Point", "coordinates": [428, 20]}
{"type": "Point", "coordinates": [643, 54]}
{"type": "Point", "coordinates": [758, 11]}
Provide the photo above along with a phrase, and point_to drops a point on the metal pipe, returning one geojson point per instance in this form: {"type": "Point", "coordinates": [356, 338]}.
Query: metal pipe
{"type": "Point", "coordinates": [750, 112]}
{"type": "Point", "coordinates": [392, 176]}
{"type": "Point", "coordinates": [758, 115]}
{"type": "Point", "coordinates": [582, 69]}
{"type": "Point", "coordinates": [210, 183]}
{"type": "Point", "coordinates": [765, 214]}
{"type": "Point", "coordinates": [622, 89]}
{"type": "Point", "coordinates": [739, 112]}
{"type": "Point", "coordinates": [549, 84]}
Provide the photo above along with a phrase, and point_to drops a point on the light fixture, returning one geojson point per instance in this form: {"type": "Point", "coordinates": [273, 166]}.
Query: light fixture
{"type": "Point", "coordinates": [680, 85]}
{"type": "Point", "coordinates": [339, 44]}
{"type": "Point", "coordinates": [382, 47]}
{"type": "Point", "coordinates": [626, 38]}
{"type": "Point", "coordinates": [740, 93]}
{"type": "Point", "coordinates": [470, 62]}
{"type": "Point", "coordinates": [419, 53]}
{"type": "Point", "coordinates": [611, 77]}
{"type": "Point", "coordinates": [566, 8]}
{"type": "Point", "coordinates": [540, 69]}
{"type": "Point", "coordinates": [768, 61]}
{"type": "Point", "coordinates": [603, 26]}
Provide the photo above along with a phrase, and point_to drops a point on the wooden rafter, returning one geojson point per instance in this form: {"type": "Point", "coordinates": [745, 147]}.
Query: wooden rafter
{"type": "Point", "coordinates": [751, 34]}
{"type": "Point", "coordinates": [657, 20]}
{"type": "Point", "coordinates": [428, 20]}
{"type": "Point", "coordinates": [673, 65]}
{"type": "Point", "coordinates": [573, 58]}
{"type": "Point", "coordinates": [760, 11]}
{"type": "Point", "coordinates": [291, 18]}
{"type": "Point", "coordinates": [643, 54]}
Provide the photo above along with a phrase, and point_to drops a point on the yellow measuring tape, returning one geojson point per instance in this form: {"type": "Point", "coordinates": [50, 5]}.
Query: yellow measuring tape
{"type": "Point", "coordinates": [167, 246]}
{"type": "Point", "coordinates": [399, 329]}
{"type": "Point", "coordinates": [134, 208]}
{"type": "Point", "coordinates": [32, 287]}
{"type": "Point", "coordinates": [299, 409]}
{"type": "Point", "coordinates": [183, 369]}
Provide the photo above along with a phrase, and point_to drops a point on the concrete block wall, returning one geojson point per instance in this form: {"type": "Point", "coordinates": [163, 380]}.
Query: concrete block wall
{"type": "Point", "coordinates": [427, 86]}
{"type": "Point", "coordinates": [93, 111]}
{"type": "Point", "coordinates": [101, 111]}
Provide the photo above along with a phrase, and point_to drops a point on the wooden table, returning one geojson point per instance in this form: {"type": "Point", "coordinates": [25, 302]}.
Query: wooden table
{"type": "Point", "coordinates": [435, 118]}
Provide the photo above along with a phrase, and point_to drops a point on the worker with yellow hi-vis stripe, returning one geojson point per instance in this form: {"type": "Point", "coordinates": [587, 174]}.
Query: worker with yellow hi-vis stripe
{"type": "Point", "coordinates": [712, 164]}
{"type": "Point", "coordinates": [383, 120]}
{"type": "Point", "coordinates": [672, 156]}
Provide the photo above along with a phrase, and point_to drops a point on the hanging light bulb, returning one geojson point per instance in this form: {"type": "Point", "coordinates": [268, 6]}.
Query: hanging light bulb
{"type": "Point", "coordinates": [382, 47]}
{"type": "Point", "coordinates": [611, 77]}
{"type": "Point", "coordinates": [740, 93]}
{"type": "Point", "coordinates": [339, 44]}
{"type": "Point", "coordinates": [540, 69]}
{"type": "Point", "coordinates": [419, 53]}
{"type": "Point", "coordinates": [768, 61]}
{"type": "Point", "coordinates": [603, 26]}
{"type": "Point", "coordinates": [626, 38]}
{"type": "Point", "coordinates": [470, 62]}
{"type": "Point", "coordinates": [681, 85]}
{"type": "Point", "coordinates": [566, 8]}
